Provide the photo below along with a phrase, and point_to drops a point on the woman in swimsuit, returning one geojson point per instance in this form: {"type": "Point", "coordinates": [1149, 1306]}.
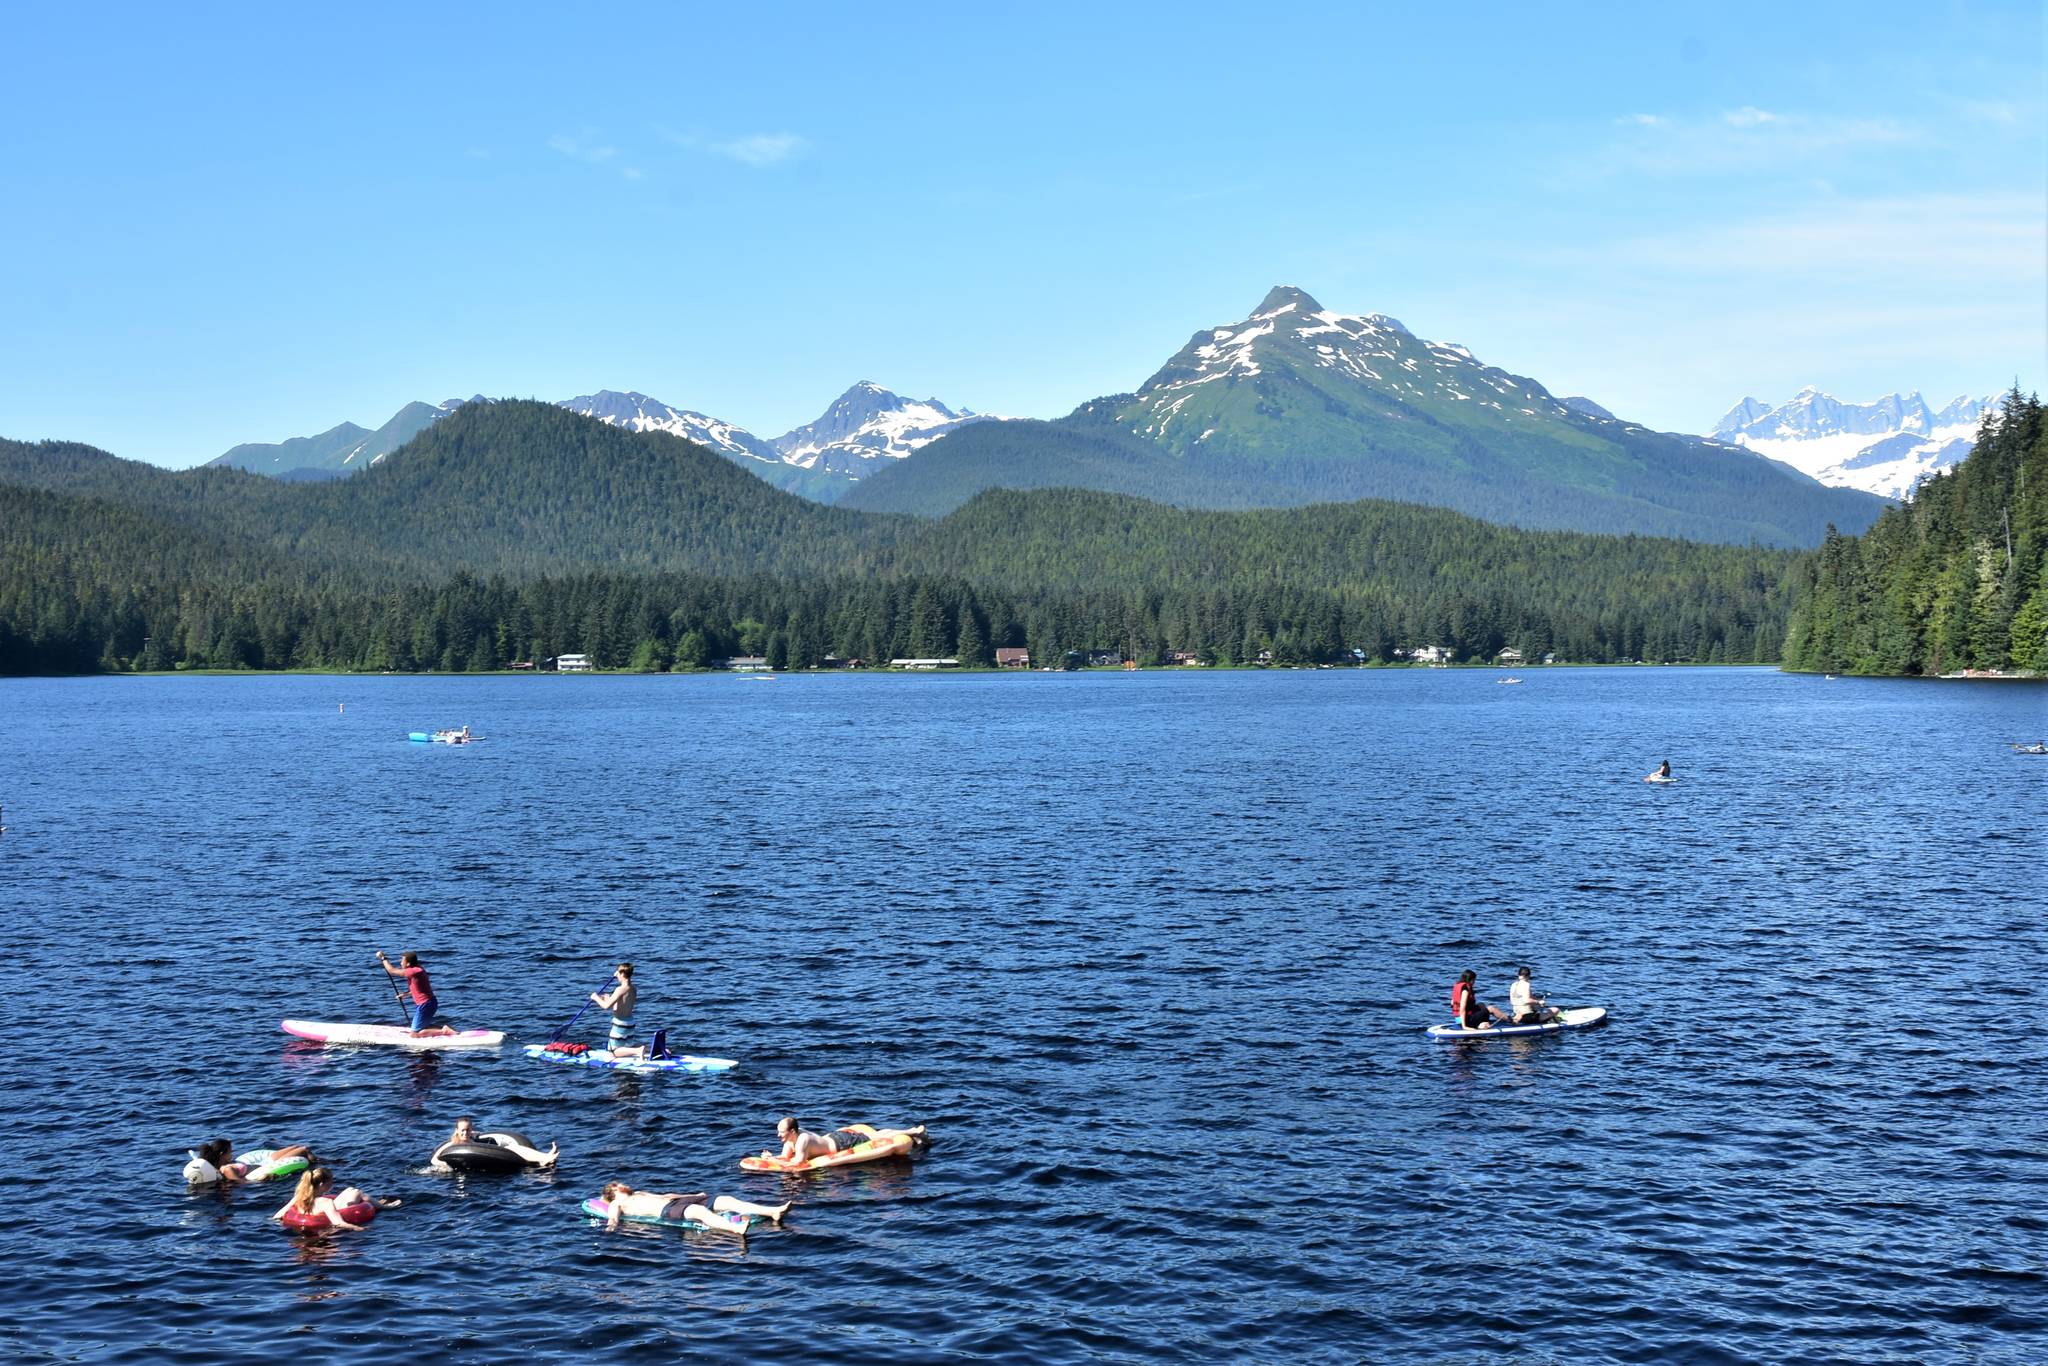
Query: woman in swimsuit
{"type": "Point", "coordinates": [465, 1132]}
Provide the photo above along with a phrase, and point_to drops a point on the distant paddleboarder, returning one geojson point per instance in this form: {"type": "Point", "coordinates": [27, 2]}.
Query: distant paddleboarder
{"type": "Point", "coordinates": [1662, 775]}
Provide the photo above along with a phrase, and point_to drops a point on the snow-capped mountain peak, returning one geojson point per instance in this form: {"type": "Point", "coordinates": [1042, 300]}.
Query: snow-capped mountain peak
{"type": "Point", "coordinates": [865, 424]}
{"type": "Point", "coordinates": [1363, 362]}
{"type": "Point", "coordinates": [637, 412]}
{"type": "Point", "coordinates": [1884, 447]}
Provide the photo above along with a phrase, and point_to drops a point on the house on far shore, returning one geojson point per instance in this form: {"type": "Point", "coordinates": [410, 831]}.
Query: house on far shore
{"type": "Point", "coordinates": [1427, 654]}
{"type": "Point", "coordinates": [835, 662]}
{"type": "Point", "coordinates": [948, 663]}
{"type": "Point", "coordinates": [1185, 658]}
{"type": "Point", "coordinates": [1010, 657]}
{"type": "Point", "coordinates": [1105, 659]}
{"type": "Point", "coordinates": [522, 664]}
{"type": "Point", "coordinates": [743, 664]}
{"type": "Point", "coordinates": [1508, 656]}
{"type": "Point", "coordinates": [572, 664]}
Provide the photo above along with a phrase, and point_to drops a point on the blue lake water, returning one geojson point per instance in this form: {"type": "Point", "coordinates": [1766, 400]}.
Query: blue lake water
{"type": "Point", "coordinates": [1151, 954]}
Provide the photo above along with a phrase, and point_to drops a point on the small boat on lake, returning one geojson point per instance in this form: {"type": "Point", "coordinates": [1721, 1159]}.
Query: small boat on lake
{"type": "Point", "coordinates": [2038, 747]}
{"type": "Point", "coordinates": [443, 737]}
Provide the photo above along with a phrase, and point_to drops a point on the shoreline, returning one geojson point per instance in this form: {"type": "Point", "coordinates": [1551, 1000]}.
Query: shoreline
{"type": "Point", "coordinates": [1173, 669]}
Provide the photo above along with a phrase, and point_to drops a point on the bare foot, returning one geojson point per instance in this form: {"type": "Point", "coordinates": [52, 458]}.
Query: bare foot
{"type": "Point", "coordinates": [775, 1215]}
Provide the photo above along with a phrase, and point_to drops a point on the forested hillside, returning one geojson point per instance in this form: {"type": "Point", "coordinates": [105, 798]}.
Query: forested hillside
{"type": "Point", "coordinates": [516, 486]}
{"type": "Point", "coordinates": [1956, 579]}
{"type": "Point", "coordinates": [252, 574]}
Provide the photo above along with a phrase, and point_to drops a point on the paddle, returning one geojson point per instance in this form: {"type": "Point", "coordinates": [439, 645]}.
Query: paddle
{"type": "Point", "coordinates": [404, 1011]}
{"type": "Point", "coordinates": [587, 1004]}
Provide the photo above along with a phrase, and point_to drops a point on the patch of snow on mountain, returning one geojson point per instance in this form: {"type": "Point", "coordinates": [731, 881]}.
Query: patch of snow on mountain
{"type": "Point", "coordinates": [868, 423]}
{"type": "Point", "coordinates": [639, 413]}
{"type": "Point", "coordinates": [1884, 447]}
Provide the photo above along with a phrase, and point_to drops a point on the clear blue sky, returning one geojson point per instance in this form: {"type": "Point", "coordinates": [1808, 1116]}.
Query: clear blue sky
{"type": "Point", "coordinates": [223, 225]}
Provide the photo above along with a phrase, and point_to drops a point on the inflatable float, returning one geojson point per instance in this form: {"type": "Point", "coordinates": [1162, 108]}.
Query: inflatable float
{"type": "Point", "coordinates": [487, 1154]}
{"type": "Point", "coordinates": [394, 1036]}
{"type": "Point", "coordinates": [200, 1172]}
{"type": "Point", "coordinates": [736, 1224]}
{"type": "Point", "coordinates": [1578, 1017]}
{"type": "Point", "coordinates": [599, 1057]}
{"type": "Point", "coordinates": [306, 1219]}
{"type": "Point", "coordinates": [878, 1144]}
{"type": "Point", "coordinates": [261, 1168]}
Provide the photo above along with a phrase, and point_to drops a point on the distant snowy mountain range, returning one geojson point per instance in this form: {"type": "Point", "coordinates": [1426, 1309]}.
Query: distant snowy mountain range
{"type": "Point", "coordinates": [1884, 447]}
{"type": "Point", "coordinates": [865, 426]}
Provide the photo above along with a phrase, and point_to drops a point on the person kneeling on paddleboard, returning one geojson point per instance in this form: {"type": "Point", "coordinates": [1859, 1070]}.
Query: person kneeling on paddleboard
{"type": "Point", "coordinates": [1529, 1008]}
{"type": "Point", "coordinates": [627, 1203]}
{"type": "Point", "coordinates": [1466, 1008]}
{"type": "Point", "coordinates": [424, 1006]}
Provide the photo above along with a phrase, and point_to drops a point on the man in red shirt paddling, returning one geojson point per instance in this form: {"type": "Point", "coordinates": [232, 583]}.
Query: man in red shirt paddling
{"type": "Point", "coordinates": [424, 1006]}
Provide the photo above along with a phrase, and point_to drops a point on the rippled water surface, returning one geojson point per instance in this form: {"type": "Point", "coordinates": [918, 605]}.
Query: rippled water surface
{"type": "Point", "coordinates": [1151, 954]}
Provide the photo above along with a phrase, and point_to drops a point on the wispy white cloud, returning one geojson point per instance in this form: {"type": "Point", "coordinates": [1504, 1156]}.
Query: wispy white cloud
{"type": "Point", "coordinates": [749, 149]}
{"type": "Point", "coordinates": [1749, 116]}
{"type": "Point", "coordinates": [762, 149]}
{"type": "Point", "coordinates": [586, 148]}
{"type": "Point", "coordinates": [583, 147]}
{"type": "Point", "coordinates": [1908, 244]}
{"type": "Point", "coordinates": [1743, 139]}
{"type": "Point", "coordinates": [2004, 113]}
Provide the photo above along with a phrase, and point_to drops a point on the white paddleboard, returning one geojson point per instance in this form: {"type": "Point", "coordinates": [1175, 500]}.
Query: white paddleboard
{"type": "Point", "coordinates": [394, 1036]}
{"type": "Point", "coordinates": [1579, 1017]}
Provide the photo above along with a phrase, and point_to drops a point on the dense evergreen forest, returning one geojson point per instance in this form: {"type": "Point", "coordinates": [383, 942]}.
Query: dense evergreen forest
{"type": "Point", "coordinates": [517, 532]}
{"type": "Point", "coordinates": [1955, 579]}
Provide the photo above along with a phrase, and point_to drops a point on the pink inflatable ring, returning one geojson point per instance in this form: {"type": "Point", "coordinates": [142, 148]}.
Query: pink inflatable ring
{"type": "Point", "coordinates": [306, 1219]}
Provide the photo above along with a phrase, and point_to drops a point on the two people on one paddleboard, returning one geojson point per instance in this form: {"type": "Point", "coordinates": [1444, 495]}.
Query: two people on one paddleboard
{"type": "Point", "coordinates": [801, 1145]}
{"type": "Point", "coordinates": [316, 1196]}
{"type": "Point", "coordinates": [465, 1132]}
{"type": "Point", "coordinates": [1525, 1006]}
{"type": "Point", "coordinates": [628, 1203]}
{"type": "Point", "coordinates": [424, 1006]}
{"type": "Point", "coordinates": [215, 1161]}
